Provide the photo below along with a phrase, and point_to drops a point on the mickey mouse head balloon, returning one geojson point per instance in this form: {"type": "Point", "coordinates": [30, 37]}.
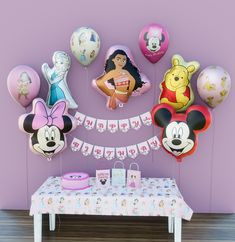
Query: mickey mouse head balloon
{"type": "Point", "coordinates": [47, 127]}
{"type": "Point", "coordinates": [180, 130]}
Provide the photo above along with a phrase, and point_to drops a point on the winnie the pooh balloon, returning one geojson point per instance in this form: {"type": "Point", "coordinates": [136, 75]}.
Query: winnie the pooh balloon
{"type": "Point", "coordinates": [47, 127]}
{"type": "Point", "coordinates": [176, 89]}
{"type": "Point", "coordinates": [121, 78]}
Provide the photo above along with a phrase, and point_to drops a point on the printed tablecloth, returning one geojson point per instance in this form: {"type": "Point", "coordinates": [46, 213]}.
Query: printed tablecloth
{"type": "Point", "coordinates": [156, 197]}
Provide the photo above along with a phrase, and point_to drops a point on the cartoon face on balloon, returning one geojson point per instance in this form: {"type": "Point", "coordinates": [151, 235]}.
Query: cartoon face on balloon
{"type": "Point", "coordinates": [153, 42]}
{"type": "Point", "coordinates": [176, 88]}
{"type": "Point", "coordinates": [23, 84]}
{"type": "Point", "coordinates": [121, 78]}
{"type": "Point", "coordinates": [56, 78]}
{"type": "Point", "coordinates": [154, 39]}
{"type": "Point", "coordinates": [47, 127]}
{"type": "Point", "coordinates": [180, 130]}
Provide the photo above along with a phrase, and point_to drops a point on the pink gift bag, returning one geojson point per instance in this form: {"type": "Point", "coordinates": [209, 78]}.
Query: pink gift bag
{"type": "Point", "coordinates": [103, 178]}
{"type": "Point", "coordinates": [134, 176]}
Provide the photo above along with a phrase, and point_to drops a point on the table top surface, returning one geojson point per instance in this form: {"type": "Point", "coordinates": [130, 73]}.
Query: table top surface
{"type": "Point", "coordinates": [156, 197]}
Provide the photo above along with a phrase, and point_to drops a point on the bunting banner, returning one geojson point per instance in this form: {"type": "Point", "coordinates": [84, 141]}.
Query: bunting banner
{"type": "Point", "coordinates": [113, 126]}
{"type": "Point", "coordinates": [110, 153]}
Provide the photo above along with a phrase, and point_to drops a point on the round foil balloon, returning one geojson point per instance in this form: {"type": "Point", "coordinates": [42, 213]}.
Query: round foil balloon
{"type": "Point", "coordinates": [85, 45]}
{"type": "Point", "coordinates": [213, 85]}
{"type": "Point", "coordinates": [121, 78]}
{"type": "Point", "coordinates": [23, 84]}
{"type": "Point", "coordinates": [47, 127]}
{"type": "Point", "coordinates": [180, 130]}
{"type": "Point", "coordinates": [153, 42]}
{"type": "Point", "coordinates": [175, 88]}
{"type": "Point", "coordinates": [57, 79]}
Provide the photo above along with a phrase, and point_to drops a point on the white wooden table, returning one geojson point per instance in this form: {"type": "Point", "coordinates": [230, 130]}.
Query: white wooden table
{"type": "Point", "coordinates": [156, 197]}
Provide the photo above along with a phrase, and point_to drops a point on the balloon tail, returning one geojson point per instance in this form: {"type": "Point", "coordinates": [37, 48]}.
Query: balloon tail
{"type": "Point", "coordinates": [179, 160]}
{"type": "Point", "coordinates": [49, 158]}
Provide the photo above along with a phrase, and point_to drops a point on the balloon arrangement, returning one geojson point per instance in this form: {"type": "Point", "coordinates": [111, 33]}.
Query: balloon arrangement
{"type": "Point", "coordinates": [49, 123]}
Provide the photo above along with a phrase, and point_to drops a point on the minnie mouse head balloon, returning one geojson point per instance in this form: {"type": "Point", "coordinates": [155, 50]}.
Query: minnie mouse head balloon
{"type": "Point", "coordinates": [180, 130]}
{"type": "Point", "coordinates": [121, 78]}
{"type": "Point", "coordinates": [153, 42]}
{"type": "Point", "coordinates": [47, 127]}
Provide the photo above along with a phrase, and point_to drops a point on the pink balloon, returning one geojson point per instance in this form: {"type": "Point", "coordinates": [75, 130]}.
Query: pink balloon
{"type": "Point", "coordinates": [23, 84]}
{"type": "Point", "coordinates": [153, 42]}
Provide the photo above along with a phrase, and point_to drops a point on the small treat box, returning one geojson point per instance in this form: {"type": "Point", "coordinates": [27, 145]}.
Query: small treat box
{"type": "Point", "coordinates": [75, 181]}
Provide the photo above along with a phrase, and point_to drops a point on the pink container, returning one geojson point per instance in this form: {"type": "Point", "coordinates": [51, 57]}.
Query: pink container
{"type": "Point", "coordinates": [75, 181]}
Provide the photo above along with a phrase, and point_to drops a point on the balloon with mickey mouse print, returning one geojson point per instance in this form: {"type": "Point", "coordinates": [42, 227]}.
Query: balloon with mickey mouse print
{"type": "Point", "coordinates": [179, 135]}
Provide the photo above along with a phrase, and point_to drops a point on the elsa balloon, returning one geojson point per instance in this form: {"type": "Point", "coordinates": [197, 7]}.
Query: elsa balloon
{"type": "Point", "coordinates": [56, 78]}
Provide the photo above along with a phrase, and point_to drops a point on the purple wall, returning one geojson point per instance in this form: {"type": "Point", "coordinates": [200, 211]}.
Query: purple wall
{"type": "Point", "coordinates": [199, 30]}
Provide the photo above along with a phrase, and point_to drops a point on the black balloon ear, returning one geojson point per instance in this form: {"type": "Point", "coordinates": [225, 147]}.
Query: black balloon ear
{"type": "Point", "coordinates": [162, 117]}
{"type": "Point", "coordinates": [68, 125]}
{"type": "Point", "coordinates": [146, 36]}
{"type": "Point", "coordinates": [27, 123]}
{"type": "Point", "coordinates": [163, 38]}
{"type": "Point", "coordinates": [196, 120]}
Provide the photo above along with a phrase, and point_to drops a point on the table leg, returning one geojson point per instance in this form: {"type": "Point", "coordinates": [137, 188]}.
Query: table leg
{"type": "Point", "coordinates": [37, 220]}
{"type": "Point", "coordinates": [52, 222]}
{"type": "Point", "coordinates": [170, 225]}
{"type": "Point", "coordinates": [177, 229]}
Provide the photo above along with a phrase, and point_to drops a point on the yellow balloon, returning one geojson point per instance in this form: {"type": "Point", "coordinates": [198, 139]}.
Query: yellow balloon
{"type": "Point", "coordinates": [175, 88]}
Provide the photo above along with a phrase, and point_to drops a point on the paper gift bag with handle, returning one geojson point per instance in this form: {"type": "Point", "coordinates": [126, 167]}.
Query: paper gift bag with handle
{"type": "Point", "coordinates": [134, 176]}
{"type": "Point", "coordinates": [103, 178]}
{"type": "Point", "coordinates": [118, 175]}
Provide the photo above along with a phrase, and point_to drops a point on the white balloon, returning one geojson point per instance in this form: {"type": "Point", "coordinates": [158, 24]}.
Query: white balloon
{"type": "Point", "coordinates": [85, 45]}
{"type": "Point", "coordinates": [213, 85]}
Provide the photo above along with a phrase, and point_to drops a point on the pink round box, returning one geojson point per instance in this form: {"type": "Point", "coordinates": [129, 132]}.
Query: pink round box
{"type": "Point", "coordinates": [75, 181]}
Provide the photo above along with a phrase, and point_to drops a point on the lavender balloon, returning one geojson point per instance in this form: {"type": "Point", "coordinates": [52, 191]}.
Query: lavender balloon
{"type": "Point", "coordinates": [23, 84]}
{"type": "Point", "coordinates": [153, 42]}
{"type": "Point", "coordinates": [213, 85]}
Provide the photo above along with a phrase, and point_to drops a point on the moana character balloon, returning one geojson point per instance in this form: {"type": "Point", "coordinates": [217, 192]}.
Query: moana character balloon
{"type": "Point", "coordinates": [121, 78]}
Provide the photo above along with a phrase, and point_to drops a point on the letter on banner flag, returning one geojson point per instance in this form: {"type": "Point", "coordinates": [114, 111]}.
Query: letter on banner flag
{"type": "Point", "coordinates": [98, 152]}
{"type": "Point", "coordinates": [154, 143]}
{"type": "Point", "coordinates": [146, 118]}
{"type": "Point", "coordinates": [132, 151]}
{"type": "Point", "coordinates": [121, 153]}
{"type": "Point", "coordinates": [101, 125]}
{"type": "Point", "coordinates": [112, 126]}
{"type": "Point", "coordinates": [135, 122]}
{"type": "Point", "coordinates": [76, 144]}
{"type": "Point", "coordinates": [89, 123]}
{"type": "Point", "coordinates": [109, 153]}
{"type": "Point", "coordinates": [86, 149]}
{"type": "Point", "coordinates": [124, 125]}
{"type": "Point", "coordinates": [80, 118]}
{"type": "Point", "coordinates": [143, 148]}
